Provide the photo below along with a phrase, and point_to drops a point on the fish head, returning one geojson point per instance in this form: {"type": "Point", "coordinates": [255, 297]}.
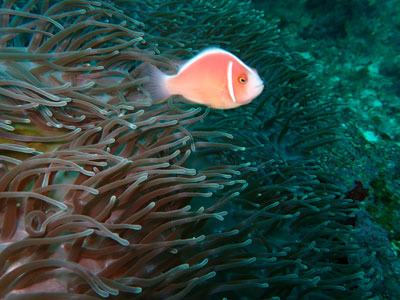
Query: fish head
{"type": "Point", "coordinates": [247, 84]}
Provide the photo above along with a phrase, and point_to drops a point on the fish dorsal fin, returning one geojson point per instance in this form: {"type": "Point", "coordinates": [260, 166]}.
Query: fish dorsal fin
{"type": "Point", "coordinates": [230, 82]}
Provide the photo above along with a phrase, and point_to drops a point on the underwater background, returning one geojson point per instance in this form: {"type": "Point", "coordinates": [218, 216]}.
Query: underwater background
{"type": "Point", "coordinates": [104, 195]}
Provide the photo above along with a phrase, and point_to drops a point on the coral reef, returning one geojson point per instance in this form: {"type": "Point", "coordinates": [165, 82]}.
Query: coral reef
{"type": "Point", "coordinates": [108, 196]}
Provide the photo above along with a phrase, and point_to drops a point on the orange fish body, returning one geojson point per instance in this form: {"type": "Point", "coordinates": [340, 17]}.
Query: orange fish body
{"type": "Point", "coordinates": [214, 77]}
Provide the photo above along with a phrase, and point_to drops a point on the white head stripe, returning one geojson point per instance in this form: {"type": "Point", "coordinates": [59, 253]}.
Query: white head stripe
{"type": "Point", "coordinates": [230, 83]}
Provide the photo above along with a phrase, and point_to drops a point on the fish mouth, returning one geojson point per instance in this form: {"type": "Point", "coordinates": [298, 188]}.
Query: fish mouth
{"type": "Point", "coordinates": [259, 87]}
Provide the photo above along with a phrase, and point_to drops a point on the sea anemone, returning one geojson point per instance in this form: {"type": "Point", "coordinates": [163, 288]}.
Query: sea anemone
{"type": "Point", "coordinates": [105, 195]}
{"type": "Point", "coordinates": [109, 212]}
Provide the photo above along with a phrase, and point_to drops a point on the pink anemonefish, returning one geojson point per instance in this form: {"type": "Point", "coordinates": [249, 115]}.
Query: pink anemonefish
{"type": "Point", "coordinates": [214, 77]}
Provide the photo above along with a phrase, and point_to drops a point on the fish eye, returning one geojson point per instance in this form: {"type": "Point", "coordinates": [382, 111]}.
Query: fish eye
{"type": "Point", "coordinates": [242, 79]}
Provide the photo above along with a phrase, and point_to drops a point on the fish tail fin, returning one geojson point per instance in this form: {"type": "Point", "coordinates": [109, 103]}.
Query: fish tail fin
{"type": "Point", "coordinates": [156, 85]}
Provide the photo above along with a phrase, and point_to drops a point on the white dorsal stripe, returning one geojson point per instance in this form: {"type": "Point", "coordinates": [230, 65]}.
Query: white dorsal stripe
{"type": "Point", "coordinates": [213, 50]}
{"type": "Point", "coordinates": [230, 83]}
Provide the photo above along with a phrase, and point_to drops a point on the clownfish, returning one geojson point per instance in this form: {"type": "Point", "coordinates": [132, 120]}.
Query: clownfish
{"type": "Point", "coordinates": [214, 77]}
